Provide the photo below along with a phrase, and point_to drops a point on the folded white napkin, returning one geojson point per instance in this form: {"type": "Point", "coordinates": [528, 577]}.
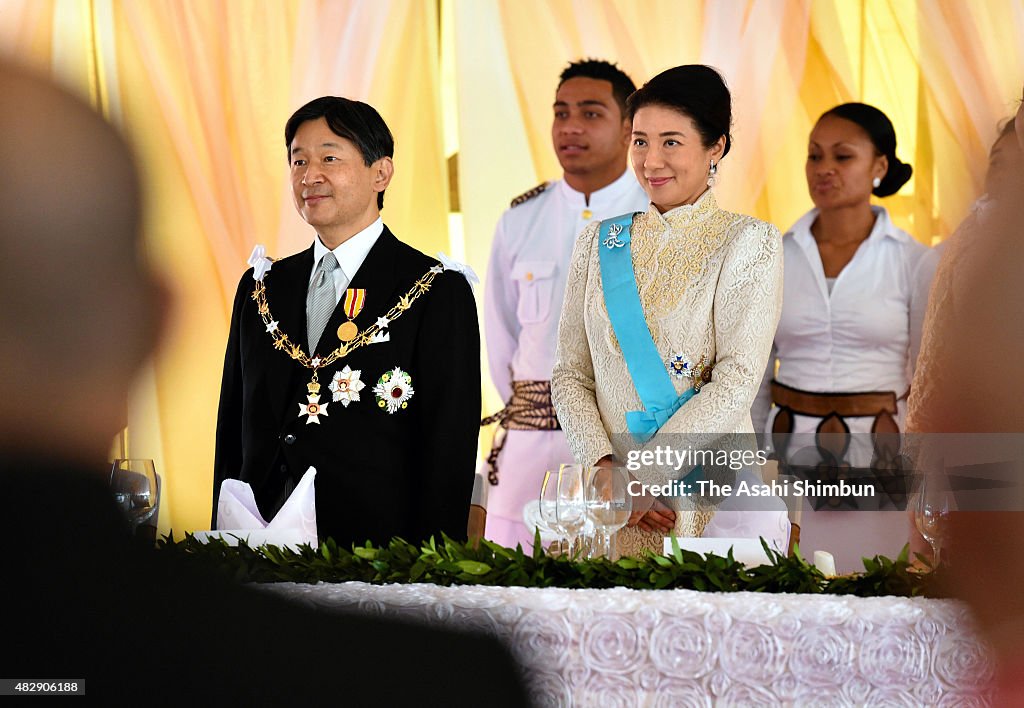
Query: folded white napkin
{"type": "Point", "coordinates": [238, 517]}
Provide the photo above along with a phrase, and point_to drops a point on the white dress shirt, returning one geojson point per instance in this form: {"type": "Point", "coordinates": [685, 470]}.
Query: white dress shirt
{"type": "Point", "coordinates": [350, 255]}
{"type": "Point", "coordinates": [865, 334]}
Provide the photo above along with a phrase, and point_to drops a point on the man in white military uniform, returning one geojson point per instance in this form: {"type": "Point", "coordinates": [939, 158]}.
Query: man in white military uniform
{"type": "Point", "coordinates": [526, 282]}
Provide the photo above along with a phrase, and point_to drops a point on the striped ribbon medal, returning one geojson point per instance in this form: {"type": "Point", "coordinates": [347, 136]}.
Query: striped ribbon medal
{"type": "Point", "coordinates": [355, 298]}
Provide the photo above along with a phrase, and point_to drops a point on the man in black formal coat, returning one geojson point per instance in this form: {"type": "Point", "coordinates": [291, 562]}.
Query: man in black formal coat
{"type": "Point", "coordinates": [359, 356]}
{"type": "Point", "coordinates": [83, 603]}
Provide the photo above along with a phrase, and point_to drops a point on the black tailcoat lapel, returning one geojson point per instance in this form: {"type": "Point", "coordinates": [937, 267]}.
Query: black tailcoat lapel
{"type": "Point", "coordinates": [287, 284]}
{"type": "Point", "coordinates": [378, 277]}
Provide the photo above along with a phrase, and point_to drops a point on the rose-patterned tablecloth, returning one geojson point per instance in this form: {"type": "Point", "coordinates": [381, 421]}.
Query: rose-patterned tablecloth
{"type": "Point", "coordinates": [622, 647]}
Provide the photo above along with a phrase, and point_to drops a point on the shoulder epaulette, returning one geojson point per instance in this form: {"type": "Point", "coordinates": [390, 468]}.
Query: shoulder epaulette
{"type": "Point", "coordinates": [527, 196]}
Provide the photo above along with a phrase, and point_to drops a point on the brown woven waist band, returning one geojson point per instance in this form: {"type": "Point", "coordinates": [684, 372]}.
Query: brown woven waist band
{"type": "Point", "coordinates": [847, 405]}
{"type": "Point", "coordinates": [530, 408]}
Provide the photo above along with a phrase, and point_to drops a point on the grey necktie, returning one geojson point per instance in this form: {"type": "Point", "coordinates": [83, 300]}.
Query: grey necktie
{"type": "Point", "coordinates": [320, 300]}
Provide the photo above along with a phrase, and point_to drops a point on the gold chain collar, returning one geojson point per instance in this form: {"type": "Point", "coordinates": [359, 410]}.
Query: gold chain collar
{"type": "Point", "coordinates": [367, 336]}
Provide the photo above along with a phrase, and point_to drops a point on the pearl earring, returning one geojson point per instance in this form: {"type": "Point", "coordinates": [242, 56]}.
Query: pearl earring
{"type": "Point", "coordinates": [711, 173]}
{"type": "Point", "coordinates": [876, 182]}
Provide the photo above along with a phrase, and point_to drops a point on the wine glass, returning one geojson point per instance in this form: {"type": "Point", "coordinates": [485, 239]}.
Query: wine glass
{"type": "Point", "coordinates": [547, 506]}
{"type": "Point", "coordinates": [570, 505]}
{"type": "Point", "coordinates": [608, 502]}
{"type": "Point", "coordinates": [935, 502]}
{"type": "Point", "coordinates": [134, 484]}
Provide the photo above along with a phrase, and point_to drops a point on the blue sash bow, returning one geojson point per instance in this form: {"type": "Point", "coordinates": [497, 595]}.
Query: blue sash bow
{"type": "Point", "coordinates": [649, 373]}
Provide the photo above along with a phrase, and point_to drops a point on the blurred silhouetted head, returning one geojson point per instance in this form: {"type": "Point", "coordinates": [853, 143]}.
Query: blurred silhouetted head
{"type": "Point", "coordinates": [1004, 180]}
{"type": "Point", "coordinates": [80, 310]}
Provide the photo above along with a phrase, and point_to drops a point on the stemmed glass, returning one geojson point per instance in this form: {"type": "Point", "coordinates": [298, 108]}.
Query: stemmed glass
{"type": "Point", "coordinates": [608, 502]}
{"type": "Point", "coordinates": [547, 506]}
{"type": "Point", "coordinates": [562, 506]}
{"type": "Point", "coordinates": [134, 485]}
{"type": "Point", "coordinates": [570, 504]}
{"type": "Point", "coordinates": [935, 502]}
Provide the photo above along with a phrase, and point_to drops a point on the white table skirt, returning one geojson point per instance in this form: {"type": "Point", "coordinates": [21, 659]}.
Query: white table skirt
{"type": "Point", "coordinates": [684, 648]}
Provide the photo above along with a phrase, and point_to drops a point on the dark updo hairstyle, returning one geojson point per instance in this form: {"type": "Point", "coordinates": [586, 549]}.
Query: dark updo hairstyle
{"type": "Point", "coordinates": [879, 128]}
{"type": "Point", "coordinates": [695, 90]}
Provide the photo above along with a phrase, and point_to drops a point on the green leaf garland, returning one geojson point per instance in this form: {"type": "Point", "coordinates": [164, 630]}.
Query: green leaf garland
{"type": "Point", "coordinates": [450, 562]}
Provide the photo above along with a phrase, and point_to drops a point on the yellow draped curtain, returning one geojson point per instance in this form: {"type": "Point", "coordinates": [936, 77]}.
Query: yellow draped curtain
{"type": "Point", "coordinates": [203, 88]}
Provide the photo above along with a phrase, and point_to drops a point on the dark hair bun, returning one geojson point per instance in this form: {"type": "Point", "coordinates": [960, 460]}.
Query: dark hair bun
{"type": "Point", "coordinates": [696, 91]}
{"type": "Point", "coordinates": [879, 128]}
{"type": "Point", "coordinates": [897, 176]}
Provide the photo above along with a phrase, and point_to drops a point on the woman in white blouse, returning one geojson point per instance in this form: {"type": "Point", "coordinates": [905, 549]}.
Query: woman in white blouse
{"type": "Point", "coordinates": [705, 289]}
{"type": "Point", "coordinates": [854, 298]}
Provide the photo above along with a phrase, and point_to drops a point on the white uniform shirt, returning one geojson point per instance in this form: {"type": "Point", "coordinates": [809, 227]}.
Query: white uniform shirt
{"type": "Point", "coordinates": [527, 272]}
{"type": "Point", "coordinates": [866, 334]}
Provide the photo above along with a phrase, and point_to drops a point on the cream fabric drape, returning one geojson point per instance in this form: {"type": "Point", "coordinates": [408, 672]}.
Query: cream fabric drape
{"type": "Point", "coordinates": [761, 52]}
{"type": "Point", "coordinates": [203, 89]}
{"type": "Point", "coordinates": [972, 59]}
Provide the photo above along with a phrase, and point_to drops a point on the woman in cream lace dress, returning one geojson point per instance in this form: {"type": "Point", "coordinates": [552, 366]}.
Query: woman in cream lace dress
{"type": "Point", "coordinates": [710, 287]}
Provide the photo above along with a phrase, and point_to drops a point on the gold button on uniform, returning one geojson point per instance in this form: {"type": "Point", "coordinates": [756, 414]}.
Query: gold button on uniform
{"type": "Point", "coordinates": [587, 214]}
{"type": "Point", "coordinates": [529, 276]}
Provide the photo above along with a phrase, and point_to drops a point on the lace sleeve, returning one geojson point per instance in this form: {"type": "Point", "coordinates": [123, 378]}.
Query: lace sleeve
{"type": "Point", "coordinates": [927, 372]}
{"type": "Point", "coordinates": [572, 379]}
{"type": "Point", "coordinates": [747, 306]}
{"type": "Point", "coordinates": [762, 405]}
{"type": "Point", "coordinates": [921, 283]}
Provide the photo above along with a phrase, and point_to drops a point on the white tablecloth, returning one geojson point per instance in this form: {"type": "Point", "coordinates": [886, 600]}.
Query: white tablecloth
{"type": "Point", "coordinates": [683, 648]}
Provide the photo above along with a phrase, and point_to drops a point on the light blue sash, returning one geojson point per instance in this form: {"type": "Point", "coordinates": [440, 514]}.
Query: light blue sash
{"type": "Point", "coordinates": [649, 373]}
